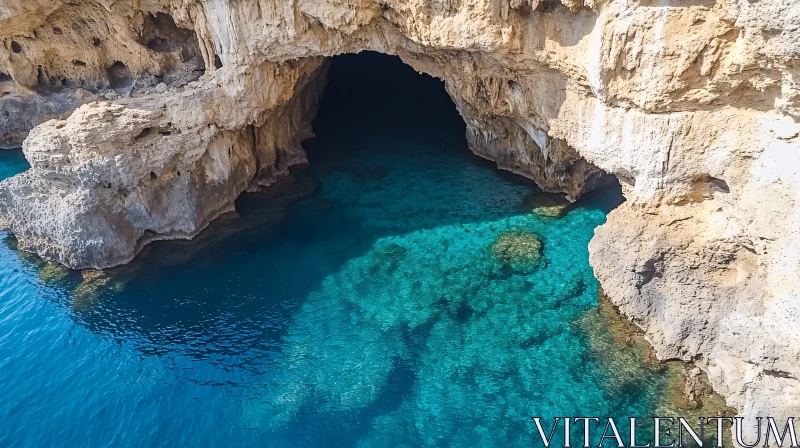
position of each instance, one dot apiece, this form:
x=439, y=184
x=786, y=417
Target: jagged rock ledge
x=116, y=176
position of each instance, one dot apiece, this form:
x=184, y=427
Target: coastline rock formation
x=693, y=105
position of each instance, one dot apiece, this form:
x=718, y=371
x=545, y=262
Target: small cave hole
x=78, y=63
x=57, y=30
x=626, y=179
x=160, y=33
x=153, y=176
x=16, y=47
x=178, y=173
x=549, y=6
x=217, y=61
x=719, y=185
x=705, y=187
x=157, y=44
x=119, y=76
x=96, y=42
x=5, y=77
x=145, y=132
x=41, y=76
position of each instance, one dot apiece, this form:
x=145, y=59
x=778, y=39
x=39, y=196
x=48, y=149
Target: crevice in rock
x=779, y=374
x=144, y=134
x=41, y=76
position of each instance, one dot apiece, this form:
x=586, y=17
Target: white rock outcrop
x=692, y=104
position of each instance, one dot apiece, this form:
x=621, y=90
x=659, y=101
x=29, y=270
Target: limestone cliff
x=691, y=104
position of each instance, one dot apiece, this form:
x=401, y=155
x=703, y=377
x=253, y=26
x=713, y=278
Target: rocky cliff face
x=691, y=104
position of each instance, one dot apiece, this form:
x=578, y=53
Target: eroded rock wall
x=691, y=104
x=115, y=176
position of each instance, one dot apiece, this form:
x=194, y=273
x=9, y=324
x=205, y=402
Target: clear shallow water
x=387, y=295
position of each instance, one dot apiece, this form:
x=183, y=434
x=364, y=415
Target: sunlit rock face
x=692, y=105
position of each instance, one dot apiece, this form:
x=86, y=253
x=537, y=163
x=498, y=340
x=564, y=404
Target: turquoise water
x=390, y=294
x=12, y=162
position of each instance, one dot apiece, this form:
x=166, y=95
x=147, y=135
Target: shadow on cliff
x=387, y=136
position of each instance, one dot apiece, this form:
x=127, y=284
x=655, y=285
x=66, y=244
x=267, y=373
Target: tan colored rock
x=692, y=105
x=114, y=177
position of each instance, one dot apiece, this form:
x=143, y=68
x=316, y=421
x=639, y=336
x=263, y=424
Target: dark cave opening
x=371, y=93
x=119, y=76
x=374, y=92
x=160, y=34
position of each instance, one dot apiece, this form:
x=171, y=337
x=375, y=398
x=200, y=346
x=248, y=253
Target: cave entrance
x=374, y=93
x=413, y=284
x=422, y=271
x=374, y=100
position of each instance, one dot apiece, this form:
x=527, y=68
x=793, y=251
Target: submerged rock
x=547, y=205
x=550, y=211
x=519, y=249
x=53, y=273
x=626, y=359
x=95, y=282
x=49, y=272
x=386, y=258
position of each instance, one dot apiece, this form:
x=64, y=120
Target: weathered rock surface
x=692, y=104
x=113, y=177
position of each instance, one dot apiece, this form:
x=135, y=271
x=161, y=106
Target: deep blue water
x=387, y=295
